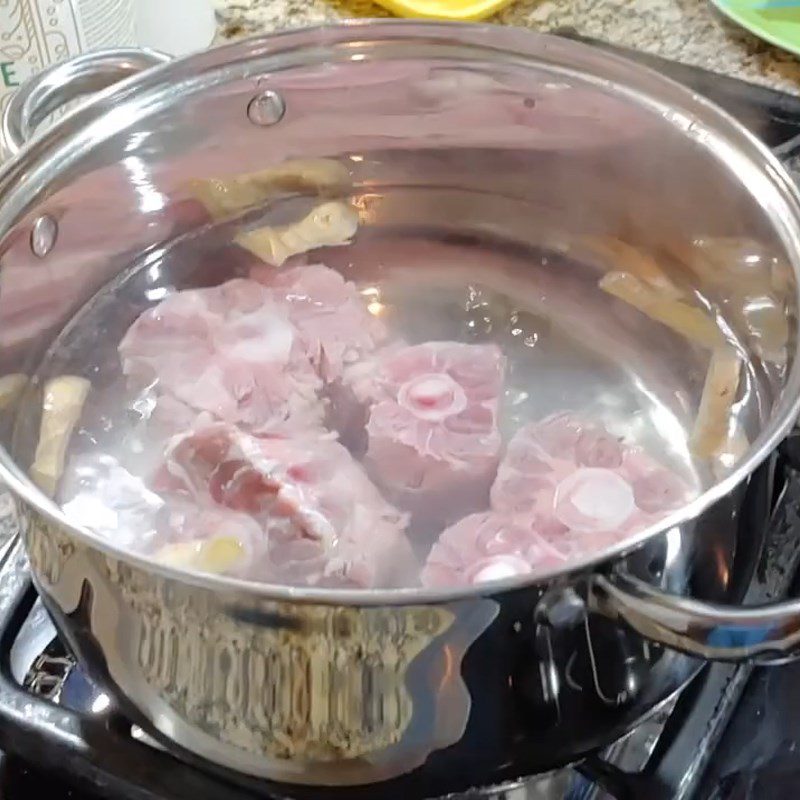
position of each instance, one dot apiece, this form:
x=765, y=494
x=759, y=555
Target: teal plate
x=775, y=21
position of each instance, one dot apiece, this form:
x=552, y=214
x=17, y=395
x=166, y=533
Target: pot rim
x=723, y=137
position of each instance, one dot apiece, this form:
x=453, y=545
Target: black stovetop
x=732, y=734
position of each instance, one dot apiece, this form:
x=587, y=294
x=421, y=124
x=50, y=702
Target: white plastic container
x=37, y=33
x=175, y=27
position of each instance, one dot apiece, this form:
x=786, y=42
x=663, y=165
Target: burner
x=49, y=672
x=54, y=717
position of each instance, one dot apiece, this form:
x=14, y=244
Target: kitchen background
x=691, y=31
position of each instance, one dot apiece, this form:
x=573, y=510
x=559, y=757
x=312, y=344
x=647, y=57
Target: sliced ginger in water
x=223, y=197
x=62, y=405
x=693, y=323
x=739, y=265
x=712, y=435
x=11, y=388
x=768, y=323
x=323, y=175
x=634, y=261
x=329, y=224
x=217, y=556
x=751, y=281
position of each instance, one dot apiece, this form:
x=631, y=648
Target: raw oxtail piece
x=231, y=351
x=576, y=474
x=313, y=516
x=332, y=318
x=432, y=439
x=485, y=547
x=565, y=490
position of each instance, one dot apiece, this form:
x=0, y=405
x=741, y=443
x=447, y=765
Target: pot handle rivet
x=266, y=108
x=561, y=607
x=44, y=233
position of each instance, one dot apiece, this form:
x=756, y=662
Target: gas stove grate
x=48, y=673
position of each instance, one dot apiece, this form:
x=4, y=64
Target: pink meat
x=487, y=546
x=231, y=351
x=575, y=474
x=320, y=520
x=332, y=319
x=170, y=417
x=564, y=490
x=433, y=442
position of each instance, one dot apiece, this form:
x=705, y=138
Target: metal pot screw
x=266, y=108
x=44, y=233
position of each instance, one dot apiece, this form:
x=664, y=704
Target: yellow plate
x=463, y=10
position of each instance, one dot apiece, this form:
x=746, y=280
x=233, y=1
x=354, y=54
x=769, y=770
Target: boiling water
x=565, y=351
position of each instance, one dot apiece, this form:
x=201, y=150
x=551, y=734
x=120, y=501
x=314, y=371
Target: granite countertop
x=685, y=30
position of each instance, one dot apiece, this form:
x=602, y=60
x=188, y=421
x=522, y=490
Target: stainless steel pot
x=532, y=141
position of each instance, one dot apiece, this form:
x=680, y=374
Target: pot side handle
x=715, y=632
x=63, y=83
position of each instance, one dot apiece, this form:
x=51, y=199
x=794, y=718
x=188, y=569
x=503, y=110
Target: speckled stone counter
x=685, y=30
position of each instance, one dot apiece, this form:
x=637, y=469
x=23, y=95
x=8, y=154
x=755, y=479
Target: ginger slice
x=768, y=323
x=695, y=258
x=728, y=262
x=753, y=301
x=634, y=261
x=223, y=197
x=329, y=224
x=688, y=321
x=740, y=267
x=216, y=556
x=11, y=387
x=711, y=435
x=320, y=174
x=62, y=405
